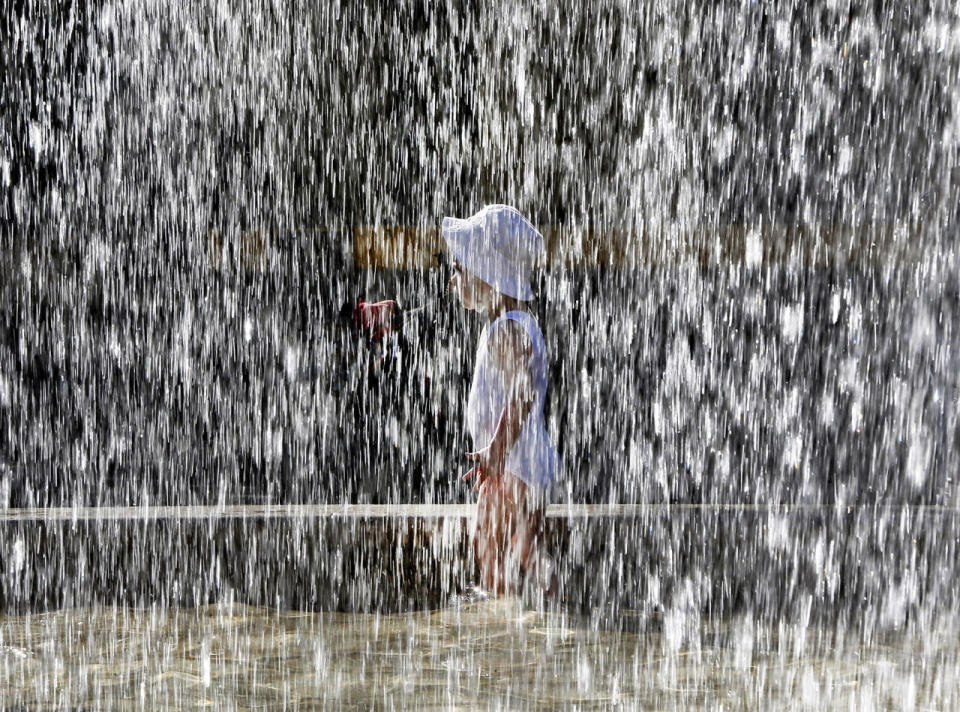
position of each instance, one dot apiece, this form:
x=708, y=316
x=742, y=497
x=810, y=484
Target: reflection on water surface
x=494, y=654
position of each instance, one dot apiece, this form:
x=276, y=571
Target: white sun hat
x=498, y=245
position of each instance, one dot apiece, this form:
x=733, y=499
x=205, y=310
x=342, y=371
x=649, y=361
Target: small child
x=514, y=464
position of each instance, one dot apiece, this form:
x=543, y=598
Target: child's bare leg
x=490, y=559
x=520, y=545
x=496, y=521
x=509, y=536
x=527, y=544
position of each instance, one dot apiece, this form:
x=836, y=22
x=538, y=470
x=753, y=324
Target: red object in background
x=376, y=318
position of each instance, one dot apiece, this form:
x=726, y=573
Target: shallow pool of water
x=493, y=654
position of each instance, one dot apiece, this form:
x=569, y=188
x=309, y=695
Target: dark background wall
x=178, y=189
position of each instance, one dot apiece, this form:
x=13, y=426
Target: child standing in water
x=514, y=466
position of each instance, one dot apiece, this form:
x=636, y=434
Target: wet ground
x=492, y=654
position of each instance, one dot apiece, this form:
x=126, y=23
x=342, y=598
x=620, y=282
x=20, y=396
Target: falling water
x=751, y=297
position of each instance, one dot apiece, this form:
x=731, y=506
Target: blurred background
x=751, y=292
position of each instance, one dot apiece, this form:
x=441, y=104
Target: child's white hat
x=498, y=245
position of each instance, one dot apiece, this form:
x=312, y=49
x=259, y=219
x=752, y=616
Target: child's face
x=473, y=292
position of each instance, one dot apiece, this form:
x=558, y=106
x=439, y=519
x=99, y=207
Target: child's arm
x=510, y=349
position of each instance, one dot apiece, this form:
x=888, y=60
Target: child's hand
x=377, y=318
x=489, y=463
